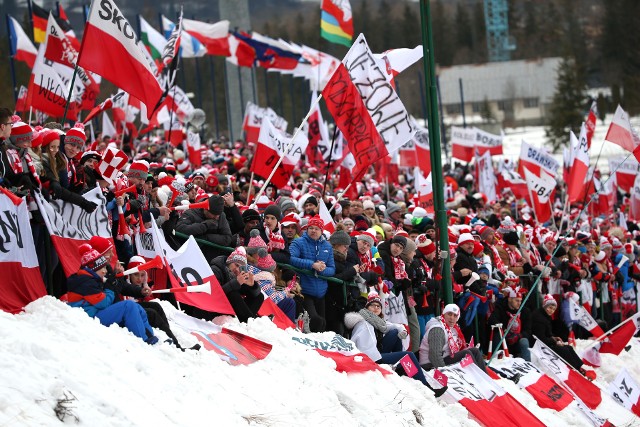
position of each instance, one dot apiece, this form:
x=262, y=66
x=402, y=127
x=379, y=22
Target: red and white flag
x=554, y=366
x=112, y=162
x=105, y=105
x=616, y=341
x=21, y=104
x=536, y=159
x=323, y=212
x=484, y=398
x=462, y=143
x=109, y=49
x=512, y=181
x=21, y=47
x=590, y=123
x=578, y=173
x=541, y=189
x=620, y=131
x=578, y=314
x=488, y=142
x=416, y=152
x=70, y=226
x=626, y=171
x=272, y=144
x=21, y=278
x=187, y=266
x=253, y=117
x=47, y=92
x=215, y=37
x=366, y=108
x=108, y=129
x=317, y=135
x=626, y=391
x=424, y=189
x=635, y=199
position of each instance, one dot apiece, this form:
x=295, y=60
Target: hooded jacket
x=304, y=252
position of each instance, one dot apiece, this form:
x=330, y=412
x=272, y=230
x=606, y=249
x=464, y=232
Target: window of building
x=531, y=103
x=453, y=109
x=476, y=107
x=505, y=105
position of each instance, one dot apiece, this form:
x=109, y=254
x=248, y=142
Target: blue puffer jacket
x=627, y=282
x=304, y=252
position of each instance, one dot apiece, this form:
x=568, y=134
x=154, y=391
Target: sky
x=53, y=355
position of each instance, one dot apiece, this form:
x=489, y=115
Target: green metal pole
x=428, y=61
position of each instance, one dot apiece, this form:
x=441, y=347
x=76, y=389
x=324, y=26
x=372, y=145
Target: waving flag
x=462, y=143
x=271, y=146
x=106, y=104
x=395, y=61
x=535, y=159
x=626, y=171
x=190, y=47
x=336, y=24
x=577, y=314
x=47, y=92
x=21, y=104
x=111, y=163
x=486, y=175
x=617, y=340
x=621, y=132
x=626, y=391
x=39, y=17
x=214, y=37
x=268, y=55
x=579, y=169
x=169, y=59
x=424, y=189
x=541, y=189
x=254, y=115
x=153, y=41
x=366, y=108
x=109, y=49
x=21, y=47
x=21, y=279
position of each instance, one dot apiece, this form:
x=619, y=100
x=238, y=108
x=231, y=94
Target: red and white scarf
x=17, y=166
x=456, y=343
x=365, y=260
x=497, y=260
x=398, y=268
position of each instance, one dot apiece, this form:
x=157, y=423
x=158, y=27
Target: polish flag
x=21, y=47
x=316, y=133
x=109, y=49
x=617, y=340
x=47, y=92
x=541, y=189
x=271, y=147
x=371, y=116
x=424, y=189
x=215, y=37
x=536, y=159
x=329, y=224
x=483, y=397
x=635, y=199
x=554, y=366
x=416, y=152
x=580, y=167
x=253, y=117
x=21, y=278
x=462, y=143
x=591, y=122
x=21, y=104
x=626, y=391
x=104, y=106
x=625, y=172
x=621, y=133
x=347, y=168
x=486, y=141
x=510, y=180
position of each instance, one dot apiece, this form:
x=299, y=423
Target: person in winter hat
x=393, y=215
x=87, y=291
x=379, y=339
x=518, y=338
x=313, y=252
x=276, y=243
x=444, y=344
x=19, y=170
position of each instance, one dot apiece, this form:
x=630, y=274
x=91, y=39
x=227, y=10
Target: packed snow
x=57, y=358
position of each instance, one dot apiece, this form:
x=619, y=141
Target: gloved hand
x=88, y=205
x=134, y=206
x=115, y=285
x=402, y=333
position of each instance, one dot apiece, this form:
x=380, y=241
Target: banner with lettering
x=488, y=142
x=535, y=159
x=394, y=311
x=21, y=279
x=485, y=400
x=70, y=226
x=462, y=143
x=486, y=175
x=626, y=391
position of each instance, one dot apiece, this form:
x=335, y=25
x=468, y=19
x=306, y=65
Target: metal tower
x=497, y=23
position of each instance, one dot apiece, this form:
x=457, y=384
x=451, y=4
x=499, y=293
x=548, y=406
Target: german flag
x=40, y=18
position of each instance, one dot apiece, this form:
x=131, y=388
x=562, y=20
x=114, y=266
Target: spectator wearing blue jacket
x=313, y=252
x=86, y=290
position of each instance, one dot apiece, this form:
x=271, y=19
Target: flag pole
x=250, y=188
x=428, y=61
x=287, y=147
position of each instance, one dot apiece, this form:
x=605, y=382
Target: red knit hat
x=21, y=133
x=138, y=169
x=76, y=135
x=50, y=135
x=255, y=242
x=101, y=244
x=135, y=261
x=549, y=300
x=90, y=258
x=373, y=297
x=37, y=137
x=290, y=219
x=478, y=248
x=265, y=261
x=425, y=245
x=316, y=221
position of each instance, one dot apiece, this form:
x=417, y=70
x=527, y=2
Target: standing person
x=87, y=291
x=379, y=339
x=444, y=344
x=313, y=252
x=347, y=267
x=426, y=285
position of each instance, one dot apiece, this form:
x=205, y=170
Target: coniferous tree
x=566, y=110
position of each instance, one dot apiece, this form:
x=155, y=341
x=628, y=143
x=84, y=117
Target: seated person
x=379, y=339
x=444, y=344
x=517, y=337
x=87, y=292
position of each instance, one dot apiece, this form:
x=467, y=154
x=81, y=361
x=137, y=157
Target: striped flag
x=21, y=47
x=336, y=21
